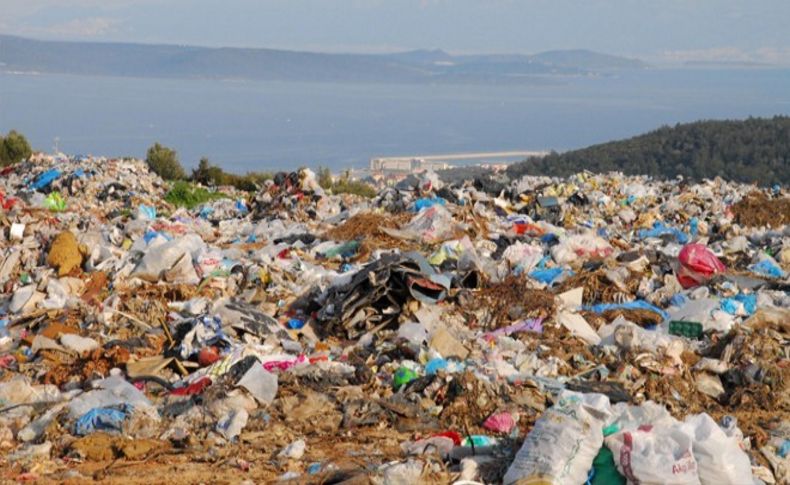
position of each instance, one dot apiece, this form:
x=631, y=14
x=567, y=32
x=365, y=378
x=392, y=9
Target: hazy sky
x=669, y=30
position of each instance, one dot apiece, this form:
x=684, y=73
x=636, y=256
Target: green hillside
x=751, y=150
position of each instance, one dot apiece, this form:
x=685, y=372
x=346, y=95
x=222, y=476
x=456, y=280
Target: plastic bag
x=767, y=267
x=719, y=457
x=563, y=443
x=55, y=202
x=698, y=264
x=102, y=419
x=660, y=229
x=502, y=422
x=740, y=304
x=426, y=202
x=45, y=179
x=146, y=212
x=108, y=392
x=604, y=470
x=261, y=383
x=581, y=247
x=433, y=224
x=659, y=454
x=546, y=276
x=171, y=261
x=523, y=257
x=631, y=305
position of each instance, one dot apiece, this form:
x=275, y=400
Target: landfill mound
x=592, y=329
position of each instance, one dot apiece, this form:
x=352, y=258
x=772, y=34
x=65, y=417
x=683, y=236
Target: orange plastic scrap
x=522, y=228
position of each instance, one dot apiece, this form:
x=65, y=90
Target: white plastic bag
x=654, y=455
x=561, y=447
x=172, y=261
x=581, y=247
x=719, y=457
x=523, y=256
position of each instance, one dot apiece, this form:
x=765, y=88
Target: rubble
x=598, y=329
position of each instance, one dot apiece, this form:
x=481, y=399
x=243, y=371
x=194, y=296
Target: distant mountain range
x=19, y=54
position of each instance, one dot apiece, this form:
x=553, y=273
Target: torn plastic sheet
x=631, y=305
x=534, y=325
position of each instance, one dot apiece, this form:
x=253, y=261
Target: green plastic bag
x=55, y=202
x=605, y=470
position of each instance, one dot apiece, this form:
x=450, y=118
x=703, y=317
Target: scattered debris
x=435, y=333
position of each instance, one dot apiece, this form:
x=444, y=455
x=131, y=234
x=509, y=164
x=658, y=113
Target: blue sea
x=250, y=125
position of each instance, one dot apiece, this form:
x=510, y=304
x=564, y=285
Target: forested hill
x=752, y=150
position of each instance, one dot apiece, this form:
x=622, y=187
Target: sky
x=653, y=30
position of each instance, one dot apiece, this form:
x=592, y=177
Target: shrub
x=250, y=181
x=344, y=185
x=163, y=161
x=208, y=174
x=324, y=178
x=185, y=194
x=14, y=148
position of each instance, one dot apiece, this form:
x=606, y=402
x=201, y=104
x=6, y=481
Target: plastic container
x=686, y=329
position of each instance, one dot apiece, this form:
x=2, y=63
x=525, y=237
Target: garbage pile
x=597, y=329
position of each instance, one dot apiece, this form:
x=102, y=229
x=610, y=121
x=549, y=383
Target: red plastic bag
x=697, y=265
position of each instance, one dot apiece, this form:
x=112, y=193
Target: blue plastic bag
x=678, y=299
x=45, y=179
x=426, y=202
x=241, y=206
x=146, y=212
x=205, y=211
x=767, y=268
x=102, y=419
x=660, y=229
x=547, y=276
x=150, y=235
x=694, y=226
x=731, y=305
x=435, y=365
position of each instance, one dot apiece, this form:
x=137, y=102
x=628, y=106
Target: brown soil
x=757, y=210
